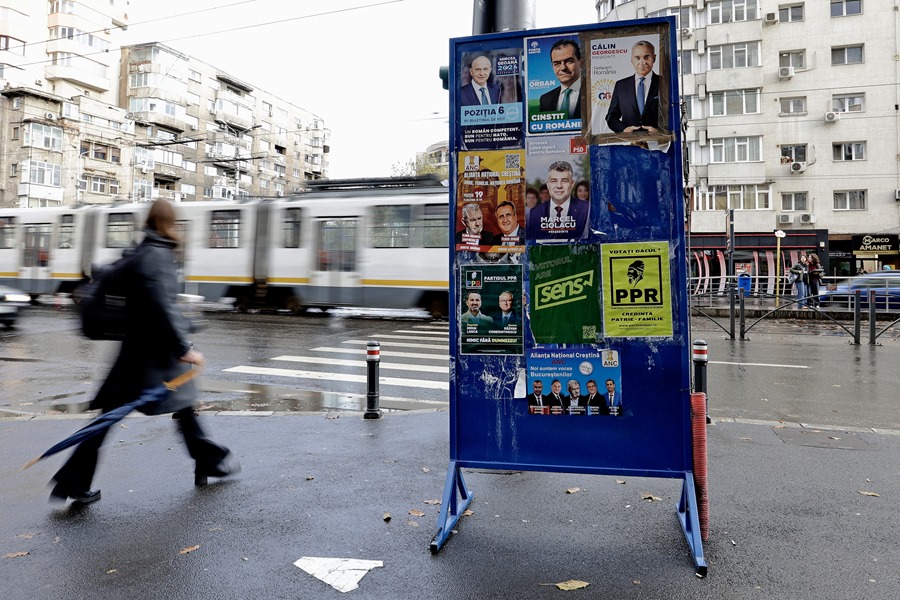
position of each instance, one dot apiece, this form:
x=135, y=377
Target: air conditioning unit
x=832, y=117
x=771, y=18
x=701, y=47
x=785, y=72
x=50, y=116
x=686, y=32
x=785, y=219
x=145, y=169
x=194, y=127
x=897, y=195
x=798, y=167
x=807, y=218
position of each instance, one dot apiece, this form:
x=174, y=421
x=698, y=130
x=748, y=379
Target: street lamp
x=79, y=170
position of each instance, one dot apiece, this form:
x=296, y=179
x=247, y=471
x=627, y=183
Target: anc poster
x=637, y=292
x=564, y=292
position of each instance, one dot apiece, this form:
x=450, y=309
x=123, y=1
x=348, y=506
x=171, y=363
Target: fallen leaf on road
x=620, y=481
x=870, y=494
x=27, y=536
x=189, y=549
x=426, y=470
x=831, y=437
x=123, y=425
x=572, y=584
x=309, y=477
x=636, y=581
x=650, y=497
x=468, y=513
x=332, y=416
x=112, y=571
x=431, y=502
x=417, y=513
x=412, y=523
x=15, y=554
x=573, y=490
x=387, y=517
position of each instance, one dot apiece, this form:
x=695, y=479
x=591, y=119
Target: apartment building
x=84, y=120
x=793, y=122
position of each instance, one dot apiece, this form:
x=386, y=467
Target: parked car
x=12, y=301
x=886, y=285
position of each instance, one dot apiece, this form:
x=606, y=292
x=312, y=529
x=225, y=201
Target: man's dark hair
x=567, y=42
x=506, y=203
x=560, y=165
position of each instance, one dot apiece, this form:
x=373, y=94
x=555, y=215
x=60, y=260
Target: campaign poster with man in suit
x=629, y=89
x=554, y=69
x=489, y=99
x=574, y=382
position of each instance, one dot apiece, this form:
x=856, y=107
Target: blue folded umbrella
x=108, y=419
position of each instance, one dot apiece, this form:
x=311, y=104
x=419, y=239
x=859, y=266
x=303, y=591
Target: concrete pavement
x=794, y=515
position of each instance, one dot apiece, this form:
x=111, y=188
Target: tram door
x=335, y=274
x=35, y=269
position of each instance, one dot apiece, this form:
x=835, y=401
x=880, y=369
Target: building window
x=225, y=229
x=43, y=136
x=735, y=102
x=790, y=14
x=792, y=58
x=847, y=55
x=736, y=149
x=849, y=151
x=794, y=201
x=685, y=62
x=740, y=197
x=390, y=226
x=850, y=200
x=13, y=169
x=793, y=153
x=194, y=75
x=842, y=8
x=734, y=56
x=43, y=173
x=730, y=11
x=12, y=45
x=793, y=106
x=849, y=102
x=15, y=133
x=293, y=219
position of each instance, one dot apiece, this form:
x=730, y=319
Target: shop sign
x=876, y=243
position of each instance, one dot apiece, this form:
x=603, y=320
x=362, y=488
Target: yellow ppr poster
x=637, y=299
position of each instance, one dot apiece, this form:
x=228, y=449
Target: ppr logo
x=573, y=288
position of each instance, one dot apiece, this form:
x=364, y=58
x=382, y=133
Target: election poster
x=490, y=206
x=626, y=101
x=636, y=290
x=564, y=293
x=553, y=74
x=575, y=382
x=491, y=310
x=489, y=99
x=561, y=165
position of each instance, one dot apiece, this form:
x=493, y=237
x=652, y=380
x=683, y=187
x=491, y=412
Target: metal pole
x=731, y=292
x=700, y=357
x=373, y=361
x=872, y=317
x=856, y=316
x=743, y=320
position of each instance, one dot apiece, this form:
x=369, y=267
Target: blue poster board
x=570, y=344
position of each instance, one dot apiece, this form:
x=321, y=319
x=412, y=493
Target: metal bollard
x=700, y=357
x=373, y=361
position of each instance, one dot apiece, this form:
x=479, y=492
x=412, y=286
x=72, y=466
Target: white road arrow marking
x=343, y=574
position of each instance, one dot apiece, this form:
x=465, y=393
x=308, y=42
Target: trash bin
x=744, y=281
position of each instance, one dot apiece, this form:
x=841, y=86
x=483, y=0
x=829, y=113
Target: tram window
x=336, y=245
x=7, y=232
x=390, y=226
x=291, y=227
x=435, y=226
x=120, y=230
x=225, y=229
x=67, y=231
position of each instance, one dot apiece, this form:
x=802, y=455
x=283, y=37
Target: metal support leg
x=452, y=507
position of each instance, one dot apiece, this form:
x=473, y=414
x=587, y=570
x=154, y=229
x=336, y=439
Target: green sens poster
x=565, y=293
x=637, y=297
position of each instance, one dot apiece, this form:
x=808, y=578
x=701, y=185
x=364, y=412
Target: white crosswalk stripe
x=355, y=363
x=417, y=383
x=418, y=350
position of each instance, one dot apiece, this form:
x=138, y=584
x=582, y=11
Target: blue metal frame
x=494, y=431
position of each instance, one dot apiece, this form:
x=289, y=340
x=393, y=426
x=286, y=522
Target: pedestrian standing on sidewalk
x=815, y=278
x=801, y=285
x=155, y=349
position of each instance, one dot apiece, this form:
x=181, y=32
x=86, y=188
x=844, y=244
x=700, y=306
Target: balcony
x=230, y=118
x=155, y=118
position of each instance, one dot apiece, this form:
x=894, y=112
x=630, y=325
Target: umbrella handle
x=181, y=379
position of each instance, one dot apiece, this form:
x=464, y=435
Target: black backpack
x=101, y=301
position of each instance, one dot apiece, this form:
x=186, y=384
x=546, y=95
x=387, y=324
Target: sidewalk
x=789, y=518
